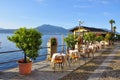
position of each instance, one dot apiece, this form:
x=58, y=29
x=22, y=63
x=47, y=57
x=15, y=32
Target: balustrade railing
x=62, y=49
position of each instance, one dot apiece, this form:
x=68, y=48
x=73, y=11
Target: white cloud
x=104, y=2
x=106, y=13
x=24, y=17
x=81, y=6
x=39, y=0
x=100, y=1
x=92, y=3
x=8, y=25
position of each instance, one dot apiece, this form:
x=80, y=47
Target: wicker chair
x=60, y=61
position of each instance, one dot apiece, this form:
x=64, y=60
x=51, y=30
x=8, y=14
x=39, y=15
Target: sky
x=65, y=13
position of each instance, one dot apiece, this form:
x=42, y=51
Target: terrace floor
x=104, y=66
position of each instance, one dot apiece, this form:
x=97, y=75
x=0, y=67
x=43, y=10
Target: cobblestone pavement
x=82, y=71
x=104, y=67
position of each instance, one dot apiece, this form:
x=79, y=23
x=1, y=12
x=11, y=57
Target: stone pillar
x=52, y=44
x=48, y=49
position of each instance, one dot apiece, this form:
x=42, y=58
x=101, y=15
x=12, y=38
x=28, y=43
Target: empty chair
x=60, y=61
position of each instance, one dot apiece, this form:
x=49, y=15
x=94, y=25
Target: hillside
x=45, y=29
x=7, y=30
x=50, y=29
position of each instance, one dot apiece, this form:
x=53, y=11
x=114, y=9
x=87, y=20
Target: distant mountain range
x=50, y=29
x=110, y=30
x=44, y=29
x=7, y=30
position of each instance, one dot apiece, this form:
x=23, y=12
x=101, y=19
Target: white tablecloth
x=58, y=54
x=73, y=52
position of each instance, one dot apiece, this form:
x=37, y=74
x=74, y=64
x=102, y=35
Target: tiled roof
x=92, y=29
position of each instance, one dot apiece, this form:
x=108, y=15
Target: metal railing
x=21, y=51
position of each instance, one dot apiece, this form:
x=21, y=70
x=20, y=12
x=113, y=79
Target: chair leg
x=69, y=61
x=54, y=67
x=62, y=66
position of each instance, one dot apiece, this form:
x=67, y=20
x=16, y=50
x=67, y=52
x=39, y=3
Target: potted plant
x=29, y=41
x=71, y=40
x=89, y=37
x=99, y=38
x=109, y=37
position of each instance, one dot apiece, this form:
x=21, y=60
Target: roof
x=92, y=29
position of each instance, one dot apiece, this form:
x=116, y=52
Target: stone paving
x=77, y=71
x=104, y=67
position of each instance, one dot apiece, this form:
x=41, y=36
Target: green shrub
x=28, y=40
x=71, y=40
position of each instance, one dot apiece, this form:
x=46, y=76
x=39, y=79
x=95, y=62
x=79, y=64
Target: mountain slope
x=50, y=29
x=7, y=30
x=45, y=29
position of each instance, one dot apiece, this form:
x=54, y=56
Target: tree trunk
x=25, y=58
x=111, y=27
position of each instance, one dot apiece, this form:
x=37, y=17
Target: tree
x=71, y=40
x=111, y=22
x=90, y=37
x=114, y=29
x=28, y=40
x=99, y=38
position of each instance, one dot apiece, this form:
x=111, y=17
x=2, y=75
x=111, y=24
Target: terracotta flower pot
x=25, y=68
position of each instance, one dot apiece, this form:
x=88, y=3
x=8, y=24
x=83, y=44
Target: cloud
x=104, y=2
x=90, y=3
x=8, y=25
x=81, y=6
x=100, y=1
x=107, y=14
x=39, y=0
x=24, y=17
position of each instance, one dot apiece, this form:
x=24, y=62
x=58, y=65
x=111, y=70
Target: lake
x=6, y=45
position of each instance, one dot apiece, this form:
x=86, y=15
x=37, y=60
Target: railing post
x=48, y=49
x=52, y=47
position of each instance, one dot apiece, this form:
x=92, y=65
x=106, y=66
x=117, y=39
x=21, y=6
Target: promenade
x=104, y=66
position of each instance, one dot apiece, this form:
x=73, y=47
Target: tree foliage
x=90, y=37
x=111, y=22
x=109, y=36
x=71, y=40
x=28, y=40
x=99, y=38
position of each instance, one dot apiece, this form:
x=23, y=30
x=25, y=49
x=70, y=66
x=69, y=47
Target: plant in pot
x=109, y=37
x=29, y=41
x=99, y=38
x=89, y=37
x=71, y=40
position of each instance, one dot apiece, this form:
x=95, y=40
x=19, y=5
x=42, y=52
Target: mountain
x=50, y=29
x=110, y=30
x=1, y=28
x=44, y=29
x=7, y=30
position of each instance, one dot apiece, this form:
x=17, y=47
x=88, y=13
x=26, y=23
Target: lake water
x=6, y=45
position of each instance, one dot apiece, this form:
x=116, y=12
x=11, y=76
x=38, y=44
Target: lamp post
x=80, y=22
